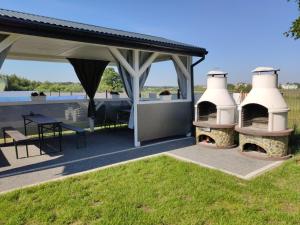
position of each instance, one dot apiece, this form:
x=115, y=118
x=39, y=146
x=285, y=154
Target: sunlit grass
x=160, y=190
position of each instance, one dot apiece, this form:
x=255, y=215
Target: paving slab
x=103, y=149
x=230, y=161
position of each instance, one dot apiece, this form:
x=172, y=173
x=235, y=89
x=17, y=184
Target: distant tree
x=199, y=88
x=3, y=82
x=111, y=81
x=230, y=87
x=16, y=83
x=245, y=88
x=294, y=30
x=63, y=87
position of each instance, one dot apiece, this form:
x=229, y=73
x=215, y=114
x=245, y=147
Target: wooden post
x=136, y=97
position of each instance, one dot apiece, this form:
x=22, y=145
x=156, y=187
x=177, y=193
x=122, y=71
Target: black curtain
x=89, y=72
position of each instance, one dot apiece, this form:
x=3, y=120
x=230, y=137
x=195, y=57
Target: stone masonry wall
x=224, y=137
x=274, y=146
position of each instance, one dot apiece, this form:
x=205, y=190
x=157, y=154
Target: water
x=24, y=96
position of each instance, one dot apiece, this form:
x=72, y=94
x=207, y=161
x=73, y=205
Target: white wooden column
x=136, y=96
x=135, y=72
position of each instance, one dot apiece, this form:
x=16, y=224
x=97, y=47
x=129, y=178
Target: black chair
x=100, y=116
x=111, y=115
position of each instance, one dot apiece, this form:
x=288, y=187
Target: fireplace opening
x=249, y=147
x=205, y=139
x=207, y=111
x=255, y=116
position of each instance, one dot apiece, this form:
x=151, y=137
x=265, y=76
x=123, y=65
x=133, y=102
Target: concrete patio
x=104, y=148
x=109, y=147
x=229, y=161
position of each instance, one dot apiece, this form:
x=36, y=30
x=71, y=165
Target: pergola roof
x=29, y=24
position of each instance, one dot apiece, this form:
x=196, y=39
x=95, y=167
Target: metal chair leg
x=27, y=150
x=42, y=131
x=60, y=137
x=4, y=136
x=16, y=149
x=40, y=141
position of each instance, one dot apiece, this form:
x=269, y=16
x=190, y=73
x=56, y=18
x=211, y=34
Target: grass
x=292, y=98
x=160, y=190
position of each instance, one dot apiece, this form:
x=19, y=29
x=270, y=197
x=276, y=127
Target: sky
x=238, y=34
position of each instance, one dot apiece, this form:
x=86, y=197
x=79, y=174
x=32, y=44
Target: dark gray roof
x=42, y=20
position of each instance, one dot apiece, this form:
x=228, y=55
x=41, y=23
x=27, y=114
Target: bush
x=165, y=92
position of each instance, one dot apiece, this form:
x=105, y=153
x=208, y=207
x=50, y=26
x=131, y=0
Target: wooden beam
x=136, y=95
x=70, y=50
x=36, y=57
x=181, y=66
x=116, y=53
x=148, y=62
x=9, y=41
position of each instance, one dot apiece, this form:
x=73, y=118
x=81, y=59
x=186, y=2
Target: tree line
x=294, y=30
x=110, y=81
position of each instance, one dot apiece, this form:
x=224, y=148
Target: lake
x=25, y=96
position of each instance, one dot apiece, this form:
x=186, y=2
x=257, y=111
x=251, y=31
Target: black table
x=44, y=123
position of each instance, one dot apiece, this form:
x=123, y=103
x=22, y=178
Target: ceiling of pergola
x=57, y=50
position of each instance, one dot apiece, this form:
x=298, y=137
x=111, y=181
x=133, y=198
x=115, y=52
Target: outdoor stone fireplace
x=215, y=113
x=263, y=116
x=207, y=111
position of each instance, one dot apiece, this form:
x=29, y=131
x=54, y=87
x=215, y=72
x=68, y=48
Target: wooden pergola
x=31, y=37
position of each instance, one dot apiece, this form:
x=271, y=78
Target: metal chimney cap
x=262, y=69
x=216, y=72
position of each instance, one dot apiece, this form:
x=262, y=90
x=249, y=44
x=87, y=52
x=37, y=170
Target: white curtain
x=125, y=76
x=127, y=79
x=181, y=79
x=143, y=58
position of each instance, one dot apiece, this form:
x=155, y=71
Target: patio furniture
x=43, y=123
x=100, y=115
x=17, y=137
x=80, y=133
x=123, y=116
x=22, y=34
x=111, y=115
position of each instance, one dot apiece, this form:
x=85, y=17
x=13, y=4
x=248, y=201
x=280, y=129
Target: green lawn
x=160, y=190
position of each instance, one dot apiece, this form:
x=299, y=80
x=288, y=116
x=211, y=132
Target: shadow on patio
x=104, y=147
